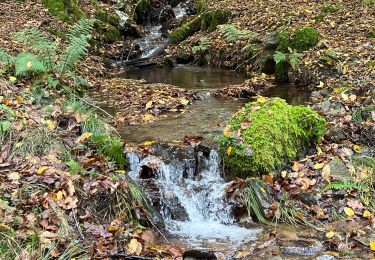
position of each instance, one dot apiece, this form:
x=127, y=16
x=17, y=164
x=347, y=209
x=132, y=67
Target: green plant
x=65, y=10
x=305, y=38
x=204, y=46
x=284, y=62
x=252, y=204
x=368, y=2
x=110, y=147
x=330, y=57
x=288, y=212
x=74, y=167
x=201, y=6
x=267, y=134
x=43, y=60
x=232, y=33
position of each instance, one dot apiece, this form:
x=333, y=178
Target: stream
x=185, y=184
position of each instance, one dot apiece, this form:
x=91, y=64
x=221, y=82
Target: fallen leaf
x=42, y=169
x=229, y=150
x=261, y=99
x=349, y=212
x=149, y=105
x=184, y=101
x=372, y=245
x=330, y=234
x=326, y=171
x=134, y=247
x=318, y=166
x=83, y=137
x=366, y=214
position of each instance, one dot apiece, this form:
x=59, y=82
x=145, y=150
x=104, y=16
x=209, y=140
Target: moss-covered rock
x=107, y=26
x=284, y=41
x=186, y=30
x=212, y=19
x=306, y=38
x=65, y=10
x=201, y=6
x=268, y=134
x=142, y=11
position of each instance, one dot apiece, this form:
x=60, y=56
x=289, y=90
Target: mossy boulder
x=268, y=134
x=65, y=10
x=305, y=38
x=284, y=41
x=107, y=26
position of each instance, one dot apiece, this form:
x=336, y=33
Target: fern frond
x=78, y=38
x=232, y=33
x=82, y=27
x=27, y=63
x=6, y=60
x=345, y=185
x=204, y=45
x=39, y=43
x=112, y=148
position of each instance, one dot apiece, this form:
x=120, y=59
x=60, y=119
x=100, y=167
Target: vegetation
x=305, y=38
x=233, y=34
x=267, y=134
x=65, y=10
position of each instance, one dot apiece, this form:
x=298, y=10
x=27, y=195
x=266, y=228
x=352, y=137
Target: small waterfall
x=193, y=203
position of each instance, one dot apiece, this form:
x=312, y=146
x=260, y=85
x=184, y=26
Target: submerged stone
x=300, y=247
x=268, y=134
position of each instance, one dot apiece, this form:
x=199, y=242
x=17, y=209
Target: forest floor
x=51, y=206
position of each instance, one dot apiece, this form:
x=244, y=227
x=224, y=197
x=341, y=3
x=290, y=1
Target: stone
x=271, y=41
x=300, y=247
x=336, y=134
x=339, y=170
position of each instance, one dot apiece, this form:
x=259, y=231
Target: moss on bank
x=65, y=10
x=204, y=21
x=267, y=134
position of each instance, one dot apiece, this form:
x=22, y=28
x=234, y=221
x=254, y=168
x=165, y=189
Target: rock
x=336, y=134
x=196, y=255
x=266, y=62
x=300, y=247
x=271, y=41
x=325, y=257
x=263, y=194
x=184, y=57
x=166, y=15
x=175, y=209
x=339, y=170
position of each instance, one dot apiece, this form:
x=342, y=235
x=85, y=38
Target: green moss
x=186, y=30
x=211, y=20
x=201, y=6
x=142, y=11
x=306, y=38
x=65, y=10
x=284, y=41
x=262, y=137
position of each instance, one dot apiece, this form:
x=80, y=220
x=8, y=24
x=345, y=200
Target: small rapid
x=193, y=203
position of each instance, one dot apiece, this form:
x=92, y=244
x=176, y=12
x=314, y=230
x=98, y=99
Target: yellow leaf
x=332, y=24
x=229, y=150
x=49, y=124
x=349, y=212
x=19, y=99
x=148, y=105
x=261, y=99
x=263, y=76
x=113, y=228
x=330, y=234
x=59, y=195
x=42, y=169
x=283, y=174
x=120, y=171
x=321, y=85
x=147, y=143
x=29, y=64
x=357, y=148
x=318, y=166
x=366, y=214
x=372, y=245
x=319, y=150
x=345, y=69
x=148, y=117
x=184, y=101
x=12, y=79
x=227, y=131
x=83, y=137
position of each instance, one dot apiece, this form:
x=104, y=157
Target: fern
x=78, y=38
x=232, y=33
x=112, y=148
x=292, y=58
x=26, y=63
x=204, y=45
x=6, y=60
x=39, y=43
x=279, y=57
x=345, y=185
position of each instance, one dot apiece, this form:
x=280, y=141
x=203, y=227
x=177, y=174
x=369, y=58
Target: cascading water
x=193, y=203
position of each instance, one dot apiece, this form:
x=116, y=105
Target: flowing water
x=207, y=221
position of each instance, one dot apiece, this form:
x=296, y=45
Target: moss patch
x=212, y=19
x=142, y=11
x=306, y=38
x=65, y=10
x=268, y=134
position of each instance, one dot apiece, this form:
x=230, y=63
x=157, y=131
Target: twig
x=152, y=223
